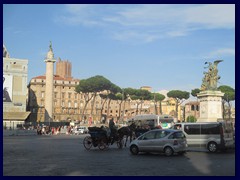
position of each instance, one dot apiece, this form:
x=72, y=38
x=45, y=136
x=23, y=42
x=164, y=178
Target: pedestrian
x=53, y=130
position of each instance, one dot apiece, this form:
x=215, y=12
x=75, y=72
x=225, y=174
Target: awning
x=17, y=116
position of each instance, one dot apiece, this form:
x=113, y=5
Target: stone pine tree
x=138, y=95
x=194, y=92
x=157, y=97
x=229, y=95
x=90, y=87
x=179, y=97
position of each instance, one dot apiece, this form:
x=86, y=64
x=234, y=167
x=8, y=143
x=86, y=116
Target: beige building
x=69, y=105
x=15, y=74
x=192, y=109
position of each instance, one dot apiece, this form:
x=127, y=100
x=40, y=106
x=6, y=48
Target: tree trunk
x=223, y=109
x=229, y=110
x=87, y=98
x=105, y=100
x=120, y=109
x=160, y=107
x=108, y=107
x=93, y=102
x=155, y=106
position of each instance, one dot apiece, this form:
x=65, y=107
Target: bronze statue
x=50, y=46
x=210, y=79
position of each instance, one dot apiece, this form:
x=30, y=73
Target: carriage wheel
x=87, y=142
x=102, y=145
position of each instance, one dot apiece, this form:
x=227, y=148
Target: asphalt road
x=65, y=155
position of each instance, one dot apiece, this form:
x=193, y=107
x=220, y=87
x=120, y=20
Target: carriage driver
x=113, y=129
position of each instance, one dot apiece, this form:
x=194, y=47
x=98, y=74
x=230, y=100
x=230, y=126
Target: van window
x=227, y=127
x=192, y=129
x=210, y=129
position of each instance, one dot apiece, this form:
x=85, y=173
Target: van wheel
x=212, y=147
x=168, y=151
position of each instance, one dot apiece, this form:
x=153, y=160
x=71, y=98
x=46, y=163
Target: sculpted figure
x=210, y=79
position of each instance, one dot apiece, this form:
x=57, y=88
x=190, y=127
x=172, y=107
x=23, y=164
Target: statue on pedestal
x=210, y=79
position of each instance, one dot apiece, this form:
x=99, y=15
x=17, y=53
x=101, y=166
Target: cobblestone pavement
x=66, y=156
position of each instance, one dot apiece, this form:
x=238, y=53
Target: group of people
x=47, y=130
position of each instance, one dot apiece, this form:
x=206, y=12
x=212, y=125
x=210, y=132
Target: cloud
x=222, y=53
x=150, y=22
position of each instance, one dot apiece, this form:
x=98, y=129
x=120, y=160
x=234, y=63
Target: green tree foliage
x=91, y=86
x=229, y=95
x=191, y=118
x=195, y=92
x=179, y=96
x=139, y=95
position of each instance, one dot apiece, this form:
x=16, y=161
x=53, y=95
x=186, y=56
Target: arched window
x=192, y=107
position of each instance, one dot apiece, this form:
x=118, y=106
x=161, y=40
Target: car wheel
x=168, y=151
x=212, y=147
x=134, y=149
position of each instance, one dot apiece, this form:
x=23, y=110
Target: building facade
x=192, y=108
x=15, y=74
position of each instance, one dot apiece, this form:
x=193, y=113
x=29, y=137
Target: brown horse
x=127, y=131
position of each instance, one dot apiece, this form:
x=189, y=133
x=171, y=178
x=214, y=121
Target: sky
x=163, y=46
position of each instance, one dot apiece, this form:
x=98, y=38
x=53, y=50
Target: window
x=75, y=104
x=197, y=108
x=69, y=103
x=161, y=134
x=150, y=135
x=55, y=95
x=69, y=95
x=192, y=129
x=75, y=95
x=192, y=108
x=210, y=129
x=177, y=135
x=42, y=94
x=63, y=104
x=63, y=94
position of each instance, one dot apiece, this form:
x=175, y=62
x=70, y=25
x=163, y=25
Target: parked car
x=81, y=130
x=168, y=141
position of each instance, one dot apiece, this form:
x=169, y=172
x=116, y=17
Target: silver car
x=168, y=141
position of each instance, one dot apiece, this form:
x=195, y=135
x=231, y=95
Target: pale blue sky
x=157, y=45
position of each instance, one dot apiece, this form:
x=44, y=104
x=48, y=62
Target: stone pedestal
x=210, y=106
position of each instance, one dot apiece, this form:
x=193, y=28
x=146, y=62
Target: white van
x=153, y=120
x=211, y=135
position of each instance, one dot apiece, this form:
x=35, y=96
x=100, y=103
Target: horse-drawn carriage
x=100, y=137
